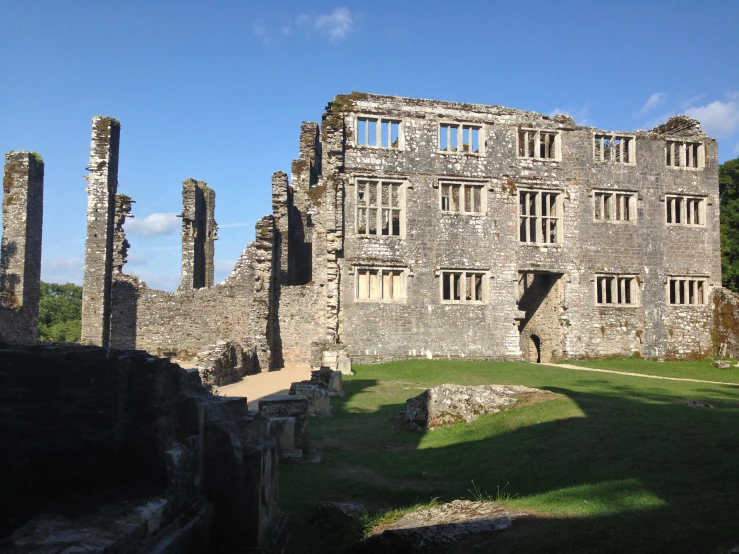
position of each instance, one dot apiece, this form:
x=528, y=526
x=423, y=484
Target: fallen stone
x=449, y=404
x=328, y=379
x=721, y=364
x=698, y=404
x=318, y=399
x=424, y=529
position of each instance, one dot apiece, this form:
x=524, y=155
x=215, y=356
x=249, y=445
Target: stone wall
x=189, y=321
x=20, y=251
x=125, y=451
x=102, y=186
x=725, y=323
x=433, y=240
x=199, y=231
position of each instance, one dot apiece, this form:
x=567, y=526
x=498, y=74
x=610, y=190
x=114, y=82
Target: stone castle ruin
x=419, y=228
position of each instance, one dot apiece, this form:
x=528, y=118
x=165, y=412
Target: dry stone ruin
x=413, y=228
x=419, y=228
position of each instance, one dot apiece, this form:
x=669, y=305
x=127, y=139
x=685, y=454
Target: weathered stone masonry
x=20, y=253
x=419, y=228
x=102, y=185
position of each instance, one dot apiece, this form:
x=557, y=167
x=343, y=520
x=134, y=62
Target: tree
x=60, y=313
x=729, y=199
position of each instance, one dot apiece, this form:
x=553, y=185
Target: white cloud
x=338, y=25
x=736, y=149
x=63, y=270
x=263, y=32
x=718, y=119
x=232, y=225
x=153, y=225
x=652, y=102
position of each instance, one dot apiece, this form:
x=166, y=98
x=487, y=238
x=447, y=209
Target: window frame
x=484, y=274
x=461, y=126
x=684, y=198
x=401, y=208
x=559, y=207
x=631, y=148
x=463, y=184
x=632, y=197
x=379, y=120
x=537, y=144
x=686, y=279
x=616, y=289
x=684, y=155
x=359, y=270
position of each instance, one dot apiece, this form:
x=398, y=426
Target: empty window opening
x=614, y=206
x=454, y=137
x=615, y=289
x=380, y=284
x=539, y=216
x=685, y=210
x=684, y=154
x=378, y=132
x=463, y=286
x=461, y=198
x=534, y=349
x=539, y=144
x=614, y=148
x=685, y=290
x=380, y=208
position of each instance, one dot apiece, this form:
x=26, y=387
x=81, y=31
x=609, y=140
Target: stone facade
x=20, y=252
x=199, y=231
x=420, y=228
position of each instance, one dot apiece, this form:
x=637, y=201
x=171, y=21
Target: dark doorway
x=534, y=349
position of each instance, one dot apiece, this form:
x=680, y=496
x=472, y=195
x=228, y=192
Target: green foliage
x=38, y=157
x=729, y=198
x=60, y=313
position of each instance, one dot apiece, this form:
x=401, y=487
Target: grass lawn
x=614, y=464
x=701, y=369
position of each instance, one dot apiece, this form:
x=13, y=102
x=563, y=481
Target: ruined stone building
x=20, y=253
x=419, y=228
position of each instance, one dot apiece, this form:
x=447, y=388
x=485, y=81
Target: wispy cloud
x=652, y=102
x=337, y=25
x=232, y=225
x=736, y=149
x=718, y=119
x=63, y=270
x=580, y=115
x=153, y=225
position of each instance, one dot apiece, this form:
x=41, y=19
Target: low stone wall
x=128, y=452
x=189, y=321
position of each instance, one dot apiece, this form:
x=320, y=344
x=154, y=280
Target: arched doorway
x=534, y=349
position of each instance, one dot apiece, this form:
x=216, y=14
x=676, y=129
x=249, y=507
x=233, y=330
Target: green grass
x=614, y=464
x=700, y=369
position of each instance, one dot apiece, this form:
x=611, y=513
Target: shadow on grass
x=615, y=469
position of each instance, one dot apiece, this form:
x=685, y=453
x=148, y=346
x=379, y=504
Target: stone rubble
x=450, y=404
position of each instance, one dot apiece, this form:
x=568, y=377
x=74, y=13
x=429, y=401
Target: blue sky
x=217, y=90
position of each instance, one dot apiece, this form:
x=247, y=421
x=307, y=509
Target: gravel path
x=581, y=368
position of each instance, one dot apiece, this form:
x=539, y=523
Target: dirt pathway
x=269, y=383
x=581, y=368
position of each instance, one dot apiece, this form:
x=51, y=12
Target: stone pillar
x=211, y=232
x=199, y=231
x=102, y=185
x=20, y=251
x=281, y=210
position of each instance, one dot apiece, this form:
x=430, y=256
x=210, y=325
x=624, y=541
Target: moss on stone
x=36, y=156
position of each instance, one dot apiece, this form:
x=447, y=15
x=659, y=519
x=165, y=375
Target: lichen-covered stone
x=450, y=404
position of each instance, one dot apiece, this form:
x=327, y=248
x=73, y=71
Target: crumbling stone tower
x=102, y=185
x=20, y=254
x=199, y=232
